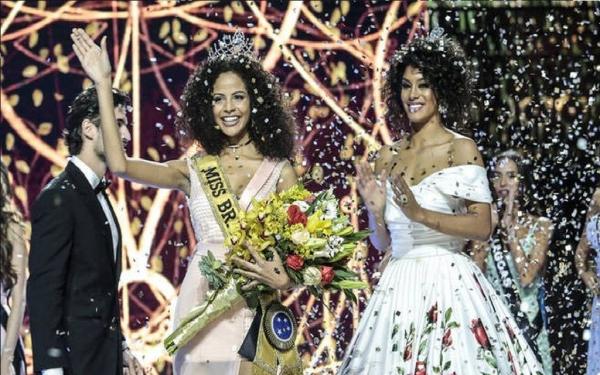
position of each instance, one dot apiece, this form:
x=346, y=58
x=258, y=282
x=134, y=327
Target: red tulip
x=420, y=368
x=295, y=262
x=447, y=339
x=408, y=351
x=433, y=313
x=295, y=215
x=480, y=334
x=327, y=274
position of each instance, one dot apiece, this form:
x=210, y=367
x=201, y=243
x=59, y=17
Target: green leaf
x=422, y=346
x=395, y=347
x=395, y=330
x=448, y=314
x=447, y=365
x=351, y=284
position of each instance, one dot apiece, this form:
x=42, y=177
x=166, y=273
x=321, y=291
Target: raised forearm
x=471, y=225
x=527, y=267
x=380, y=237
x=113, y=148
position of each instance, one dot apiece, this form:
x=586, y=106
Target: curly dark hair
x=271, y=125
x=445, y=67
x=85, y=106
x=8, y=275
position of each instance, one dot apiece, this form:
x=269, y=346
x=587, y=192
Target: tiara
x=231, y=46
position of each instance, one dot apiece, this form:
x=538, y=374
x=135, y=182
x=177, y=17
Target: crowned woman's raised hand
x=371, y=188
x=93, y=58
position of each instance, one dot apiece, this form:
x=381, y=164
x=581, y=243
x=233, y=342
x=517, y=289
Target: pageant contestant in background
x=13, y=261
x=75, y=258
x=235, y=110
x=433, y=311
x=591, y=239
x=515, y=257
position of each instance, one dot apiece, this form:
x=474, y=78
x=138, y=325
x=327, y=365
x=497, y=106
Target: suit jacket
x=72, y=291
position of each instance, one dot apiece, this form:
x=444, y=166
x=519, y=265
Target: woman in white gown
x=433, y=311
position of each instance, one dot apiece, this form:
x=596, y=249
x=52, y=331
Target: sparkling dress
x=531, y=296
x=214, y=350
x=433, y=310
x=593, y=236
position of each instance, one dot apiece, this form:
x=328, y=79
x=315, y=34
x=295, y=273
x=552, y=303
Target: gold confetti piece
x=295, y=97
x=146, y=203
x=227, y=13
x=44, y=52
x=6, y=160
x=21, y=193
x=136, y=226
x=33, y=39
x=200, y=35
x=178, y=226
x=180, y=51
x=164, y=29
x=183, y=252
x=37, y=97
x=45, y=128
x=153, y=153
x=41, y=4
x=3, y=49
x=169, y=141
x=156, y=263
x=13, y=100
x=30, y=71
x=63, y=64
x=237, y=7
x=317, y=6
x=58, y=96
x=310, y=52
x=22, y=166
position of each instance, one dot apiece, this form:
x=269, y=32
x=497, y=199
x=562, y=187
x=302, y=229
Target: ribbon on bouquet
x=270, y=341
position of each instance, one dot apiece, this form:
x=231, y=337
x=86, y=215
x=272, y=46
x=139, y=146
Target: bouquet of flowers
x=309, y=233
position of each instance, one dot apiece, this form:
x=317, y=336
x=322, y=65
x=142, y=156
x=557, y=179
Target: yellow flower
x=315, y=224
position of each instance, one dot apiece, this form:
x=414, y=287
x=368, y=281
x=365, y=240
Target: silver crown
x=232, y=45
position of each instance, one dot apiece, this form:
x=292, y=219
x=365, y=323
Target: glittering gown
x=433, y=311
x=593, y=236
x=214, y=350
x=531, y=296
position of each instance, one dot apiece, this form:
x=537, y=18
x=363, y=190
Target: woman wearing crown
x=433, y=311
x=235, y=110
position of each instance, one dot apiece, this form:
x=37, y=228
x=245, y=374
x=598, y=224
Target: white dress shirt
x=94, y=180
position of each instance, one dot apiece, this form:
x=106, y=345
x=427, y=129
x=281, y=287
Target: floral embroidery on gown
x=214, y=350
x=433, y=311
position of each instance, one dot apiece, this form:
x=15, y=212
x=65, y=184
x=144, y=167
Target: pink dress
x=214, y=350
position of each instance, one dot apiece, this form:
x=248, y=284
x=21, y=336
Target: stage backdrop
x=538, y=91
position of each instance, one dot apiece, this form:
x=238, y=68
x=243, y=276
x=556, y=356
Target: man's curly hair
x=271, y=125
x=445, y=67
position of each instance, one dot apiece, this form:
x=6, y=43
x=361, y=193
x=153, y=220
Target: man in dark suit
x=75, y=258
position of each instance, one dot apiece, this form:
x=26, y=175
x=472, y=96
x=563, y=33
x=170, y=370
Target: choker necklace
x=236, y=146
